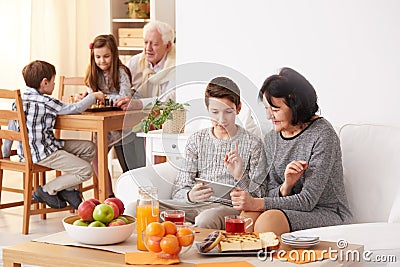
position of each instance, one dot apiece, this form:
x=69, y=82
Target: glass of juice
x=147, y=211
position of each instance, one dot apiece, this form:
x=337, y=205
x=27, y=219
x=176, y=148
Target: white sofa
x=371, y=161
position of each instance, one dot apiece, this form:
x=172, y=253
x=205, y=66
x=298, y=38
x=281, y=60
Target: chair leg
x=1, y=183
x=36, y=184
x=28, y=177
x=42, y=181
x=96, y=186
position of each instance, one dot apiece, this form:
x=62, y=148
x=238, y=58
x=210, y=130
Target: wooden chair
x=67, y=81
x=62, y=95
x=70, y=81
x=33, y=174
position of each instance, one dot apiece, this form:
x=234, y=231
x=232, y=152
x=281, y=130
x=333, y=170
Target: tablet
x=220, y=190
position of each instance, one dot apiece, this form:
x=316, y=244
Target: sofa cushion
x=394, y=216
x=370, y=160
x=374, y=236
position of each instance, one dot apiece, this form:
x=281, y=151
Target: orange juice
x=144, y=216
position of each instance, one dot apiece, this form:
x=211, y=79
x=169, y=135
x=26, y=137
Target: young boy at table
x=212, y=154
x=73, y=157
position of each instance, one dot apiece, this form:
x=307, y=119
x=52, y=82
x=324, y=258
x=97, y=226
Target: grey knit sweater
x=320, y=188
x=204, y=158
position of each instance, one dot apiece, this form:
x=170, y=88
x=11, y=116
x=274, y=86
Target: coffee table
x=51, y=255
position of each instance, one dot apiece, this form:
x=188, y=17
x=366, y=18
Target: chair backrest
x=70, y=81
x=19, y=135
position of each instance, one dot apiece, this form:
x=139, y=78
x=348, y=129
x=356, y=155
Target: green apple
x=80, y=222
x=96, y=224
x=103, y=213
x=123, y=218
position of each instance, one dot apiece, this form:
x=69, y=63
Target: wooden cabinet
x=128, y=32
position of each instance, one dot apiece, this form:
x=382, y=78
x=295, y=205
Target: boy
x=70, y=156
x=212, y=154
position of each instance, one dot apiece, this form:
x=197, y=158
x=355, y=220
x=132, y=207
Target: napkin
x=147, y=258
x=225, y=264
x=303, y=257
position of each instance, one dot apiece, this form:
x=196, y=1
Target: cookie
x=211, y=241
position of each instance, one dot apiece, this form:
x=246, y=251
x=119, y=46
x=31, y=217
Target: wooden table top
x=51, y=255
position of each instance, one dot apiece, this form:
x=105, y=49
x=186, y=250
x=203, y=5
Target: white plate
x=293, y=238
x=215, y=252
x=301, y=245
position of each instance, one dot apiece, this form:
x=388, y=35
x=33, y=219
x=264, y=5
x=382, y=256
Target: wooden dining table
x=101, y=123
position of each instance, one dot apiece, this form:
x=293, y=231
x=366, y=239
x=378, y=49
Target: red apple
x=85, y=210
x=116, y=222
x=103, y=213
x=95, y=201
x=117, y=201
x=115, y=208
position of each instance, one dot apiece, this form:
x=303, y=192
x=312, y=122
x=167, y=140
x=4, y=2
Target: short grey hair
x=166, y=31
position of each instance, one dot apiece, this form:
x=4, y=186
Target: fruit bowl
x=171, y=243
x=99, y=235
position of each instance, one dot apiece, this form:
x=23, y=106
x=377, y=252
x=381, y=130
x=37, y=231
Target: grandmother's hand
x=294, y=170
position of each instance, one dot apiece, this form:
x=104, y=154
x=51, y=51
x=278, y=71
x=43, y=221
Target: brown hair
x=36, y=71
x=93, y=72
x=223, y=87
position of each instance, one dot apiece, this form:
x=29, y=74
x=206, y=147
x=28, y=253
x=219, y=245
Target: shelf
x=130, y=48
x=130, y=20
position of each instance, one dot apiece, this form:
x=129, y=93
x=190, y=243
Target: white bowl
x=99, y=235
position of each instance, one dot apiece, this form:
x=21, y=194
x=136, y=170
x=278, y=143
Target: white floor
x=11, y=219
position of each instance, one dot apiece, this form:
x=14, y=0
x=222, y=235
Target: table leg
x=149, y=152
x=102, y=151
x=9, y=263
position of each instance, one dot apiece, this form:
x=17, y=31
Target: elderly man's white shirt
x=136, y=72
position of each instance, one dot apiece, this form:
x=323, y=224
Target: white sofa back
x=371, y=161
x=161, y=176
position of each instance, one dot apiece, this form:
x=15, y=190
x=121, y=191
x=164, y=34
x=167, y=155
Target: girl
x=107, y=74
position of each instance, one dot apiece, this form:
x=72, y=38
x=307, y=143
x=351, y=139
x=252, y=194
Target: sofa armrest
x=161, y=176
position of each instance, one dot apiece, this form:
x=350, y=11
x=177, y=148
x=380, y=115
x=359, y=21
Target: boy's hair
x=36, y=71
x=223, y=87
x=93, y=72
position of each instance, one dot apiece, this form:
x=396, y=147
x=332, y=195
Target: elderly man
x=152, y=70
x=153, y=75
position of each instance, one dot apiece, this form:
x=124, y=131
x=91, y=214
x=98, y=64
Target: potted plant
x=138, y=9
x=169, y=115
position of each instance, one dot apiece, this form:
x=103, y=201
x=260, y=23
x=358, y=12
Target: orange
x=153, y=243
x=155, y=229
x=170, y=227
x=170, y=244
x=185, y=236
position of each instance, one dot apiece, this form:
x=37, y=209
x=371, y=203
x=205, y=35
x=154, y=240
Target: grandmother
x=302, y=185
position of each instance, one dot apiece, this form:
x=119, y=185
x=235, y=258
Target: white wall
x=349, y=50
x=14, y=45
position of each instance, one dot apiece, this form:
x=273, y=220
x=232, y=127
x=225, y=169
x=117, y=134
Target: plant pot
x=139, y=11
x=177, y=124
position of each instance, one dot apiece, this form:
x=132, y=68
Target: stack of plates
x=297, y=241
